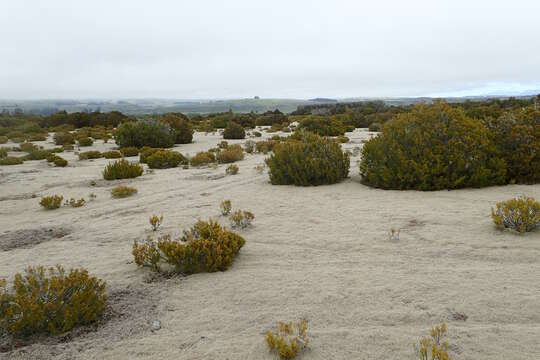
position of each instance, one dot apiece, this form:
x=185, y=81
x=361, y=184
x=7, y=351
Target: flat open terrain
x=320, y=253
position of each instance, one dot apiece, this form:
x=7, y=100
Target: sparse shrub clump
x=122, y=169
x=520, y=214
x=50, y=301
x=85, y=141
x=75, y=203
x=3, y=152
x=241, y=219
x=265, y=146
x=164, y=159
x=230, y=154
x=121, y=191
x=206, y=247
x=11, y=160
x=202, y=158
x=155, y=221
x=3, y=139
x=64, y=138
x=234, y=131
x=249, y=146
x=433, y=347
x=225, y=207
x=60, y=162
x=289, y=339
x=431, y=148
x=129, y=151
x=113, y=154
x=51, y=202
x=94, y=154
x=141, y=133
x=310, y=161
x=232, y=169
x=322, y=125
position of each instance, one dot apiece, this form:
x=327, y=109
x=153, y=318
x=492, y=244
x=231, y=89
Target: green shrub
x=28, y=147
x=146, y=152
x=64, y=138
x=113, y=154
x=225, y=207
x=60, y=162
x=231, y=154
x=85, y=141
x=93, y=154
x=231, y=169
x=122, y=169
x=3, y=139
x=121, y=191
x=155, y=221
x=206, y=247
x=375, y=127
x=433, y=347
x=164, y=159
x=51, y=202
x=141, y=133
x=38, y=155
x=3, y=152
x=181, y=126
x=50, y=301
x=234, y=131
x=241, y=219
x=11, y=160
x=520, y=214
x=322, y=125
x=288, y=339
x=257, y=134
x=129, y=151
x=312, y=160
x=431, y=148
x=67, y=147
x=265, y=146
x=202, y=158
x=343, y=139
x=249, y=146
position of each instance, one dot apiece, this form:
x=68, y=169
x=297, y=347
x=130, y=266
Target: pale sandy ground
x=319, y=253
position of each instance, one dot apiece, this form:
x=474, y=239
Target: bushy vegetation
x=51, y=202
x=202, y=158
x=85, y=141
x=64, y=138
x=50, y=301
x=113, y=154
x=206, y=247
x=322, y=125
x=75, y=203
x=3, y=139
x=433, y=347
x=60, y=161
x=3, y=152
x=432, y=148
x=308, y=160
x=234, y=131
x=122, y=191
x=289, y=339
x=241, y=219
x=164, y=159
x=225, y=207
x=11, y=160
x=521, y=214
x=155, y=222
x=147, y=132
x=129, y=151
x=265, y=146
x=230, y=154
x=231, y=169
x=122, y=169
x=93, y=154
x=181, y=126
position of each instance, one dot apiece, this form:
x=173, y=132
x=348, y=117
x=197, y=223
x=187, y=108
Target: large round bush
x=234, y=131
x=181, y=126
x=322, y=125
x=432, y=148
x=308, y=160
x=141, y=133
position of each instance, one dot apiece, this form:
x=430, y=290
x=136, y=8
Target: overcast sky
x=193, y=49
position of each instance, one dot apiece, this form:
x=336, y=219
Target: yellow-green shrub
x=164, y=159
x=63, y=138
x=431, y=148
x=241, y=219
x=146, y=152
x=288, y=339
x=521, y=214
x=230, y=154
x=433, y=347
x=11, y=160
x=121, y=191
x=225, y=207
x=265, y=146
x=206, y=247
x=202, y=158
x=51, y=202
x=181, y=126
x=312, y=160
x=50, y=301
x=113, y=154
x=122, y=169
x=3, y=139
x=3, y=152
x=322, y=125
x=232, y=169
x=234, y=131
x=93, y=154
x=129, y=151
x=60, y=162
x=85, y=141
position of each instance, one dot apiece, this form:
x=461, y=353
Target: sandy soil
x=320, y=253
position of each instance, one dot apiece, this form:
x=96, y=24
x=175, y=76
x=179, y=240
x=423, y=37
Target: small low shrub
x=60, y=161
x=433, y=347
x=28, y=147
x=249, y=146
x=232, y=169
x=265, y=146
x=67, y=147
x=164, y=159
x=241, y=219
x=64, y=138
x=225, y=207
x=231, y=154
x=521, y=214
x=223, y=145
x=122, y=169
x=288, y=339
x=122, y=191
x=257, y=134
x=37, y=155
x=146, y=152
x=155, y=221
x=50, y=301
x=11, y=160
x=343, y=139
x=129, y=151
x=3, y=152
x=51, y=202
x=234, y=131
x=202, y=158
x=259, y=168
x=141, y=133
x=310, y=161
x=85, y=141
x=75, y=203
x=93, y=154
x=3, y=139
x=113, y=154
x=206, y=247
